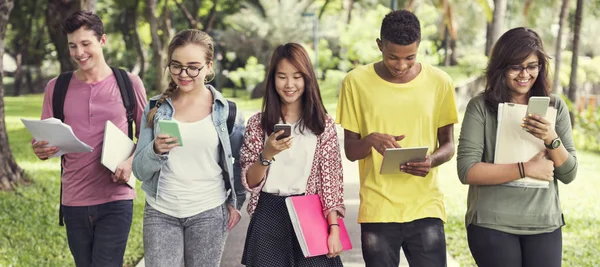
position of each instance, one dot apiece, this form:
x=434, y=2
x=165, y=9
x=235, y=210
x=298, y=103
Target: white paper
x=58, y=134
x=513, y=144
x=116, y=148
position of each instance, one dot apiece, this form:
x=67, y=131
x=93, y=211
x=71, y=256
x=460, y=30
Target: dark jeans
x=491, y=248
x=98, y=234
x=423, y=242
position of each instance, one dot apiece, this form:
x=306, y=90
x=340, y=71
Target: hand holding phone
x=538, y=105
x=171, y=128
x=287, y=130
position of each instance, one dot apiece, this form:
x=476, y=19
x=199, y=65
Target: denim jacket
x=147, y=164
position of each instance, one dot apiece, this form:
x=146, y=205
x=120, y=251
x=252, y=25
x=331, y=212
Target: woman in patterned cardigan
x=306, y=162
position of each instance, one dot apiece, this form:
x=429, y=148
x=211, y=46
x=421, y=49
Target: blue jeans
x=423, y=242
x=196, y=241
x=98, y=234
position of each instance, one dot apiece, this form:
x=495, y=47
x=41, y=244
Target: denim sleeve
x=146, y=163
x=236, y=139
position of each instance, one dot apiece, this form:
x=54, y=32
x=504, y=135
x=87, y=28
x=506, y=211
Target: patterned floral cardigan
x=326, y=175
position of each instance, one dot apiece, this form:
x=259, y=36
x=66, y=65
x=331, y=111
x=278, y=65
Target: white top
x=191, y=181
x=289, y=172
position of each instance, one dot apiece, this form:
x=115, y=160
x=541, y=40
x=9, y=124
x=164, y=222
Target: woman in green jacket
x=510, y=225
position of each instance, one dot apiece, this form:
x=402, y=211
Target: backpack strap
x=127, y=95
x=58, y=102
x=231, y=116
x=59, y=94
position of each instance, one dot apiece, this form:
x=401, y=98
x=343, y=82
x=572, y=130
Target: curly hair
x=401, y=27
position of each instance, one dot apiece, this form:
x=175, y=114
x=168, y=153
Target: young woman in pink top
x=307, y=162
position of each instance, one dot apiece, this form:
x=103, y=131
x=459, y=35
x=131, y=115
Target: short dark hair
x=85, y=19
x=313, y=111
x=512, y=48
x=401, y=27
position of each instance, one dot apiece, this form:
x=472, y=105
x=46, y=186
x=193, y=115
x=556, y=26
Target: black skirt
x=271, y=241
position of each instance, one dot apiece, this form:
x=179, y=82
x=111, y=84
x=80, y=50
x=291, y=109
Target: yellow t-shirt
x=416, y=109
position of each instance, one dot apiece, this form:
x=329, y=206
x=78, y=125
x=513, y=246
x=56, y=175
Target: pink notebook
x=310, y=226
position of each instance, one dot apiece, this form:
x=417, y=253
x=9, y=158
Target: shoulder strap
x=60, y=92
x=58, y=102
x=128, y=96
x=231, y=116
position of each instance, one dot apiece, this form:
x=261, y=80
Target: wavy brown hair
x=313, y=111
x=182, y=38
x=513, y=48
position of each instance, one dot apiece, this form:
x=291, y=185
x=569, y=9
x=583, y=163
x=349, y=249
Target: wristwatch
x=555, y=143
x=263, y=161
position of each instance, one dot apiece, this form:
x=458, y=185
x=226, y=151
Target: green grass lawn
x=30, y=236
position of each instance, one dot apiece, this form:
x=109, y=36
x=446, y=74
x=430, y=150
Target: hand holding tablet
x=393, y=158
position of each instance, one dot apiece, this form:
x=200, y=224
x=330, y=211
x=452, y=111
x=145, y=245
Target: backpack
x=58, y=101
x=230, y=117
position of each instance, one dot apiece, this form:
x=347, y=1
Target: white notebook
x=116, y=148
x=513, y=144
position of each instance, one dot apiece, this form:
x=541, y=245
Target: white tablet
x=394, y=157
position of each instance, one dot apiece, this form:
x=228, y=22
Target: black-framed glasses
x=514, y=70
x=191, y=71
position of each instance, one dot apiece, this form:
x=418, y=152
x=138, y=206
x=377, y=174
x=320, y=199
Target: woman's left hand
x=539, y=127
x=333, y=243
x=234, y=217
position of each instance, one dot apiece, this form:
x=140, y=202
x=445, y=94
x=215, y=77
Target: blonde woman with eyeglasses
x=507, y=225
x=193, y=192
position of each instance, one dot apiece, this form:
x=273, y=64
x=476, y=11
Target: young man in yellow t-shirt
x=398, y=102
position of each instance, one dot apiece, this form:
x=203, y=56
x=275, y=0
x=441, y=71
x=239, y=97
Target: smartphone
x=287, y=130
x=538, y=105
x=171, y=128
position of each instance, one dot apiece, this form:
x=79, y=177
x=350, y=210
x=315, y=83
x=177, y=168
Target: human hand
x=539, y=127
x=123, y=172
x=381, y=141
x=163, y=143
x=539, y=167
x=274, y=146
x=43, y=152
x=234, y=217
x=417, y=168
x=333, y=242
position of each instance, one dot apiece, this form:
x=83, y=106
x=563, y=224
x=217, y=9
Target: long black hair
x=313, y=111
x=514, y=47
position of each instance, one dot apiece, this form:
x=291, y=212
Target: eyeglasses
x=191, y=71
x=515, y=70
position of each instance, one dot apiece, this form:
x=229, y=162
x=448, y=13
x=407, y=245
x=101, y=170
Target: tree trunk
x=158, y=55
x=130, y=34
x=57, y=11
x=350, y=7
x=495, y=29
x=564, y=11
x=18, y=84
x=10, y=172
x=574, y=63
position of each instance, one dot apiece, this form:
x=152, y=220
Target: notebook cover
x=313, y=232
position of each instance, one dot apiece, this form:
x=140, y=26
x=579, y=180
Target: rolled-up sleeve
x=567, y=172
x=471, y=141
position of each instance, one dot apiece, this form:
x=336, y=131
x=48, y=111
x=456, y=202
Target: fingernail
x=522, y=125
x=530, y=115
x=524, y=119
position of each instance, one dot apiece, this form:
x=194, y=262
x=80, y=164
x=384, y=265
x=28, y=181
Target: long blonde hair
x=182, y=38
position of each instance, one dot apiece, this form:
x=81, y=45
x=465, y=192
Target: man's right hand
x=43, y=152
x=381, y=141
x=539, y=167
